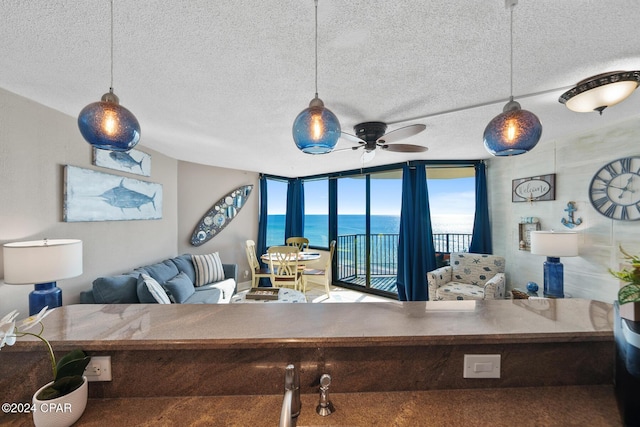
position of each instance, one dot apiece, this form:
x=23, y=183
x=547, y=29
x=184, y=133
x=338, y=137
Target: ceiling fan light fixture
x=515, y=131
x=106, y=124
x=601, y=91
x=316, y=130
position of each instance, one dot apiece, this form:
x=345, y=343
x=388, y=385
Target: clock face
x=615, y=189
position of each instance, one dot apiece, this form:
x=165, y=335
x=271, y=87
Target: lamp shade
x=514, y=131
x=316, y=130
x=108, y=125
x=42, y=261
x=601, y=91
x=554, y=243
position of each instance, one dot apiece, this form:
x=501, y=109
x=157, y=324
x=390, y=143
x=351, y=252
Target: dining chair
x=301, y=242
x=257, y=271
x=283, y=264
x=325, y=273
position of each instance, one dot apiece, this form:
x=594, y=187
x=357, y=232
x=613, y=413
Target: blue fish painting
x=90, y=195
x=122, y=197
x=132, y=161
x=125, y=159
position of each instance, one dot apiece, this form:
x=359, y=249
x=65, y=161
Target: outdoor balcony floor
x=381, y=283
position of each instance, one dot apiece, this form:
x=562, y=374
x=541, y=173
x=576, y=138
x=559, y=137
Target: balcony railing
x=352, y=249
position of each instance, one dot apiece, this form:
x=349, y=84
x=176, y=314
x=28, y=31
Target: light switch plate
x=481, y=366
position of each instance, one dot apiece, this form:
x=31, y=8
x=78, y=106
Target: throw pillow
x=180, y=287
x=208, y=268
x=154, y=288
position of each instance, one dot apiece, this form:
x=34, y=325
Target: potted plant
x=629, y=294
x=62, y=401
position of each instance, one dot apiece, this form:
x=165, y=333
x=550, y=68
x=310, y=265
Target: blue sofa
x=176, y=275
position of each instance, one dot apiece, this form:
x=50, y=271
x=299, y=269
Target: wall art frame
x=90, y=195
x=534, y=188
x=133, y=161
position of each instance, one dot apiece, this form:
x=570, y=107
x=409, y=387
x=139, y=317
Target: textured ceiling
x=220, y=82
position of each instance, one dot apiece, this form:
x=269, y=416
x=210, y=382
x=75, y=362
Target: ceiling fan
x=371, y=136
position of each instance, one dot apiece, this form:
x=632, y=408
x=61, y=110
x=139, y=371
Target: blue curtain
x=294, y=220
x=416, y=254
x=261, y=243
x=481, y=237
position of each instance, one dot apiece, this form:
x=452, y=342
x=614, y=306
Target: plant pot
x=62, y=411
x=630, y=311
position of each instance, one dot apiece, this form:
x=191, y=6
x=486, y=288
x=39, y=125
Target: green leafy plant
x=67, y=372
x=631, y=291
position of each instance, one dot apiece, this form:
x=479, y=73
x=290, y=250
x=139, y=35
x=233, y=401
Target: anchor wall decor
x=570, y=223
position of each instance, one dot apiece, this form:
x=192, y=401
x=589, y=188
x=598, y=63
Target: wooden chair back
x=283, y=264
x=301, y=242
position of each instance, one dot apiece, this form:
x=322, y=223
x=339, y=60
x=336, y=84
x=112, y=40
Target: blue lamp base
x=553, y=278
x=44, y=294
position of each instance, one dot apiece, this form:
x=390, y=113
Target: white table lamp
x=553, y=245
x=41, y=263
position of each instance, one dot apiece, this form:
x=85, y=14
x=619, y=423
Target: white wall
x=35, y=144
x=199, y=188
x=574, y=160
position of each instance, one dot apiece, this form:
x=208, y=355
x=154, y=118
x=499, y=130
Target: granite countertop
x=539, y=406
x=149, y=326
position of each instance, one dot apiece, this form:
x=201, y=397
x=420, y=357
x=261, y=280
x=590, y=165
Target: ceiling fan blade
x=404, y=132
x=367, y=156
x=348, y=149
x=404, y=148
x=351, y=138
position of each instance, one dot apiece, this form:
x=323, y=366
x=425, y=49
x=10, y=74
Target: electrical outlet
x=98, y=369
x=481, y=366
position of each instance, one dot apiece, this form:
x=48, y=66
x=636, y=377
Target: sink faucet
x=291, y=403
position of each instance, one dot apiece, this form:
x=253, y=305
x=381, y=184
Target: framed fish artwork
x=132, y=161
x=90, y=195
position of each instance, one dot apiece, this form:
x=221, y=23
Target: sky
x=446, y=196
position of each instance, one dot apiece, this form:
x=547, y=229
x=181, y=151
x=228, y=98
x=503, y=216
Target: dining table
x=303, y=257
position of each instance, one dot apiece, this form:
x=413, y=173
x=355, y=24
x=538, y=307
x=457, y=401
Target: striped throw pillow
x=208, y=268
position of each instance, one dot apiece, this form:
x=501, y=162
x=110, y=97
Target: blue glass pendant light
x=316, y=130
x=107, y=124
x=514, y=131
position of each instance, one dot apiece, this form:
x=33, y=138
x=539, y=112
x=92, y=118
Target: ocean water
x=316, y=226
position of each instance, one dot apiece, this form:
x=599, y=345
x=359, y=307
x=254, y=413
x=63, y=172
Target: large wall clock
x=615, y=189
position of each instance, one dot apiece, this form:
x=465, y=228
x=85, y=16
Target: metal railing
x=352, y=249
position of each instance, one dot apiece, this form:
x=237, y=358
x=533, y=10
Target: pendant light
x=515, y=131
x=107, y=124
x=599, y=92
x=316, y=130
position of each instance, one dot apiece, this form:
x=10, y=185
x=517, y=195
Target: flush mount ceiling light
x=515, y=131
x=599, y=92
x=316, y=129
x=107, y=124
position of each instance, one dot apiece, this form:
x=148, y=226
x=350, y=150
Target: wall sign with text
x=534, y=189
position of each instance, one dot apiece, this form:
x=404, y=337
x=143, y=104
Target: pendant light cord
x=111, y=85
x=316, y=42
x=511, y=54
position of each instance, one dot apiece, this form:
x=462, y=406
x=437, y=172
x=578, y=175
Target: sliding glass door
x=368, y=226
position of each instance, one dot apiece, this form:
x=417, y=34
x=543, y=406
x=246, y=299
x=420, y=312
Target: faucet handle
x=325, y=407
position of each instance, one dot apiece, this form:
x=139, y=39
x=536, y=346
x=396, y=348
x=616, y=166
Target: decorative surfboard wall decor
x=220, y=214
x=132, y=161
x=96, y=196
